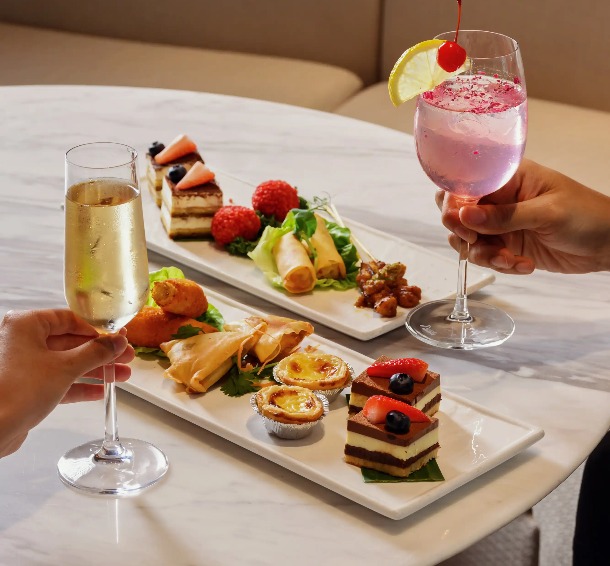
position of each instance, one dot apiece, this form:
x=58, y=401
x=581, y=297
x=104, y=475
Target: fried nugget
x=153, y=326
x=180, y=296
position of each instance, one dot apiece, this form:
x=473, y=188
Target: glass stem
x=460, y=308
x=111, y=449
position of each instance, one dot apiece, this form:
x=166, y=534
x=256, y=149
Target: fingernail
x=499, y=261
x=524, y=267
x=475, y=215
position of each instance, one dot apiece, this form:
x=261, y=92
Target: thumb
x=501, y=218
x=95, y=353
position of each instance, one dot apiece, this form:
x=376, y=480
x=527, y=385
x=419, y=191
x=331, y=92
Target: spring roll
x=293, y=264
x=281, y=337
x=329, y=263
x=200, y=361
x=180, y=296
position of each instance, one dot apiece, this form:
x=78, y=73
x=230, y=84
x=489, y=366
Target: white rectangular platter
x=434, y=273
x=473, y=439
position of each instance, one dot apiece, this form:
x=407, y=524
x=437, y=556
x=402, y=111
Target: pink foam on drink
x=478, y=94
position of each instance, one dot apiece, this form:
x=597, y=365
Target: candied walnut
x=392, y=272
x=372, y=287
x=386, y=306
x=408, y=296
x=383, y=287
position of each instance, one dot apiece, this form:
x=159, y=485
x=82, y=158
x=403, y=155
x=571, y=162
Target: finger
x=92, y=354
x=66, y=341
x=451, y=220
x=439, y=198
x=83, y=392
x=69, y=341
x=122, y=372
x=64, y=321
x=494, y=255
x=12, y=445
x=504, y=218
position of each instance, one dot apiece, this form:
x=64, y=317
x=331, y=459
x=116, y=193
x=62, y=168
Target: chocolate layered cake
x=370, y=445
x=189, y=201
x=425, y=395
x=160, y=159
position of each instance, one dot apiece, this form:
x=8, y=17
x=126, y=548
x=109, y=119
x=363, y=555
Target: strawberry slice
x=378, y=406
x=414, y=367
x=180, y=146
x=198, y=174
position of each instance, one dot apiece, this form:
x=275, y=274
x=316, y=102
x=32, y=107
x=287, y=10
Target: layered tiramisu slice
x=159, y=160
x=189, y=201
x=391, y=436
x=404, y=379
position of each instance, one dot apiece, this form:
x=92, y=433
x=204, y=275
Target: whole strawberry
x=231, y=222
x=275, y=198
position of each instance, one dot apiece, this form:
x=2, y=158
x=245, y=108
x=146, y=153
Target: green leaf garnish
x=213, y=317
x=148, y=353
x=240, y=246
x=186, y=331
x=237, y=383
x=430, y=472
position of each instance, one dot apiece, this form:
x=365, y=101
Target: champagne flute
x=106, y=284
x=470, y=136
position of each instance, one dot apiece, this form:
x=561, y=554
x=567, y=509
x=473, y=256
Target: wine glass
x=470, y=136
x=106, y=284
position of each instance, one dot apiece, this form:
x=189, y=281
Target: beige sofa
x=330, y=55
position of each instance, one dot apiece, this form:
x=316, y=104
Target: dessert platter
x=183, y=199
x=291, y=422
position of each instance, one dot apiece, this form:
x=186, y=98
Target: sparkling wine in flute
x=106, y=268
x=106, y=284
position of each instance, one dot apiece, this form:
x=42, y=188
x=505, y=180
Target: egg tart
x=289, y=404
x=313, y=370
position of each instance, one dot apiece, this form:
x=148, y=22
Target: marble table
x=221, y=504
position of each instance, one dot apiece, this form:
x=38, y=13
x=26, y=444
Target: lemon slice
x=417, y=71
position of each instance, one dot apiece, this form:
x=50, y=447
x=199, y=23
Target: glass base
x=140, y=466
x=489, y=326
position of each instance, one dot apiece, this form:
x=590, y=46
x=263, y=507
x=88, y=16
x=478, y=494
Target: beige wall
x=339, y=32
x=565, y=43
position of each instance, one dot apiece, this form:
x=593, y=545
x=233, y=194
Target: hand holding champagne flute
x=106, y=284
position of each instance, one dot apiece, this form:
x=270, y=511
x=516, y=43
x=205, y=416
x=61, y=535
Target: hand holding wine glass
x=106, y=284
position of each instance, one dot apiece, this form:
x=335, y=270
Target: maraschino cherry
x=452, y=56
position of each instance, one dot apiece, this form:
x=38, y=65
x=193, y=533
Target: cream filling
x=185, y=222
x=401, y=452
x=358, y=400
x=186, y=203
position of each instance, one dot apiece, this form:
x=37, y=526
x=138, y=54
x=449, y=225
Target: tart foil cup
x=330, y=394
x=289, y=431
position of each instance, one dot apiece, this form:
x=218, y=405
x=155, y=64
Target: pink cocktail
x=470, y=135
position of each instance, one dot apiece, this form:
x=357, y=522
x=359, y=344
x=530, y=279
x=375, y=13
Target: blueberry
x=176, y=173
x=397, y=422
x=155, y=148
x=401, y=384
